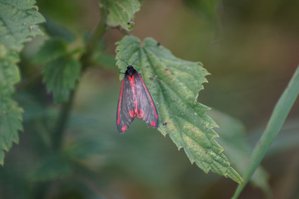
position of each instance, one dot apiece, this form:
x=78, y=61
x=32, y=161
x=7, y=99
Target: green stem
x=61, y=124
x=273, y=127
x=93, y=41
x=62, y=121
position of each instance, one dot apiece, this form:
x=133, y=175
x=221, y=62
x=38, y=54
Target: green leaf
x=18, y=22
x=237, y=148
x=52, y=49
x=10, y=124
x=174, y=84
x=9, y=73
x=60, y=76
x=10, y=112
x=54, y=29
x=121, y=12
x=61, y=69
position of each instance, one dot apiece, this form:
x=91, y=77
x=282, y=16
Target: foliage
x=10, y=124
x=70, y=142
x=9, y=72
x=121, y=12
x=174, y=84
x=61, y=69
x=18, y=24
x=19, y=21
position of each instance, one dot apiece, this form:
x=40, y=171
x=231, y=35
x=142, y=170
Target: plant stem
x=62, y=121
x=93, y=41
x=61, y=124
x=273, y=127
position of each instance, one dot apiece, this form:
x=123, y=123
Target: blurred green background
x=249, y=47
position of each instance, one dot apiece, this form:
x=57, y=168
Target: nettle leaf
x=10, y=112
x=18, y=22
x=121, y=12
x=10, y=124
x=60, y=76
x=52, y=49
x=9, y=72
x=61, y=69
x=174, y=84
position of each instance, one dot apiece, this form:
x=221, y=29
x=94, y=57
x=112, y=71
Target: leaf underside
x=60, y=69
x=121, y=12
x=18, y=24
x=174, y=84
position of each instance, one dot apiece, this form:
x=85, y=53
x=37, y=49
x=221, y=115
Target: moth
x=134, y=101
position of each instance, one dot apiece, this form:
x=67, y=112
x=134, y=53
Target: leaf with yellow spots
x=174, y=85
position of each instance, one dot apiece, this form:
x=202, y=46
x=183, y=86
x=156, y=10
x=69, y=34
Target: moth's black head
x=130, y=70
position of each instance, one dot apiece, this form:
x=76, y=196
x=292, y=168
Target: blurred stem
x=64, y=114
x=42, y=190
x=93, y=41
x=61, y=124
x=62, y=121
x=277, y=119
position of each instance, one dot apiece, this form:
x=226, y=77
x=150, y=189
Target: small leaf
x=9, y=73
x=10, y=124
x=60, y=76
x=61, y=69
x=121, y=12
x=18, y=22
x=174, y=84
x=52, y=49
x=10, y=112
